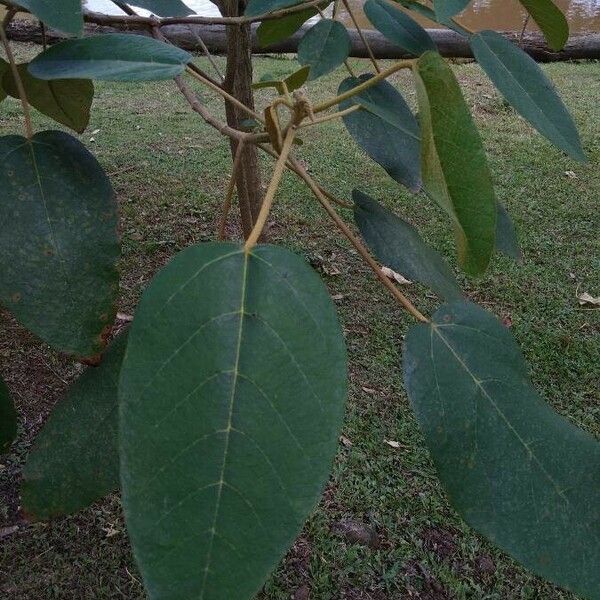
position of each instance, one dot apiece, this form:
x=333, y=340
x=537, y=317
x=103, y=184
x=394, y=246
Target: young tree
x=218, y=413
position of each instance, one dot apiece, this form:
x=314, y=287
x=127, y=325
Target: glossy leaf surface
x=232, y=396
x=526, y=87
x=67, y=101
x=324, y=47
x=59, y=246
x=65, y=15
x=110, y=57
x=164, y=8
x=8, y=418
x=276, y=30
x=74, y=460
x=398, y=245
x=398, y=27
x=455, y=170
x=385, y=129
x=522, y=475
x=550, y=20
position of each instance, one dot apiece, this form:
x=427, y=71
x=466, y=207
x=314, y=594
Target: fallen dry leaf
x=393, y=443
x=586, y=298
x=368, y=390
x=571, y=174
x=391, y=274
x=345, y=441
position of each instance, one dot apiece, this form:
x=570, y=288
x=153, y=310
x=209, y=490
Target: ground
x=384, y=529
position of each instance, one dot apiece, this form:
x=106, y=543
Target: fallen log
x=449, y=43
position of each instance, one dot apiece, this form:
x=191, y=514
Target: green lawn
x=170, y=172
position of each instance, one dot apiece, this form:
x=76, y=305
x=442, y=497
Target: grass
x=170, y=172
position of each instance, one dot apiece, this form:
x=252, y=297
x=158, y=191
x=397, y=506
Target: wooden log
x=450, y=43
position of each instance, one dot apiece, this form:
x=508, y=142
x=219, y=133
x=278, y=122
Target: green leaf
x=446, y=9
x=324, y=47
x=428, y=13
x=261, y=7
x=506, y=234
x=61, y=14
x=110, y=57
x=67, y=101
x=292, y=82
x=74, y=460
x=275, y=30
x=232, y=397
x=398, y=27
x=4, y=68
x=386, y=129
x=164, y=8
x=59, y=244
x=550, y=20
x=515, y=470
x=455, y=169
x=524, y=85
x=397, y=244
x=297, y=79
x=8, y=418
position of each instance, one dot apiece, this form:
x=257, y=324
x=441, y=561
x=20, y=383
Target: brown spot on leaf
x=16, y=297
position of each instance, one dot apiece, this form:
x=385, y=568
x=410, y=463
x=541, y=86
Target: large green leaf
x=398, y=27
x=59, y=244
x=519, y=473
x=385, y=129
x=4, y=68
x=8, y=418
x=110, y=57
x=275, y=30
x=324, y=47
x=455, y=169
x=261, y=7
x=550, y=20
x=232, y=396
x=526, y=87
x=398, y=245
x=74, y=460
x=67, y=101
x=446, y=9
x=164, y=8
x=65, y=15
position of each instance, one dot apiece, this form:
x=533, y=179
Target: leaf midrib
x=221, y=482
x=495, y=406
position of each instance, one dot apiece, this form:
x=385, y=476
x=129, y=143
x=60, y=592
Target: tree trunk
x=238, y=82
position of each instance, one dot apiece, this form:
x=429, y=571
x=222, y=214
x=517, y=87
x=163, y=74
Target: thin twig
x=361, y=35
x=525, y=23
x=222, y=92
x=18, y=81
x=207, y=53
x=230, y=189
x=293, y=169
x=398, y=295
x=335, y=115
x=265, y=208
x=103, y=19
x=402, y=64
